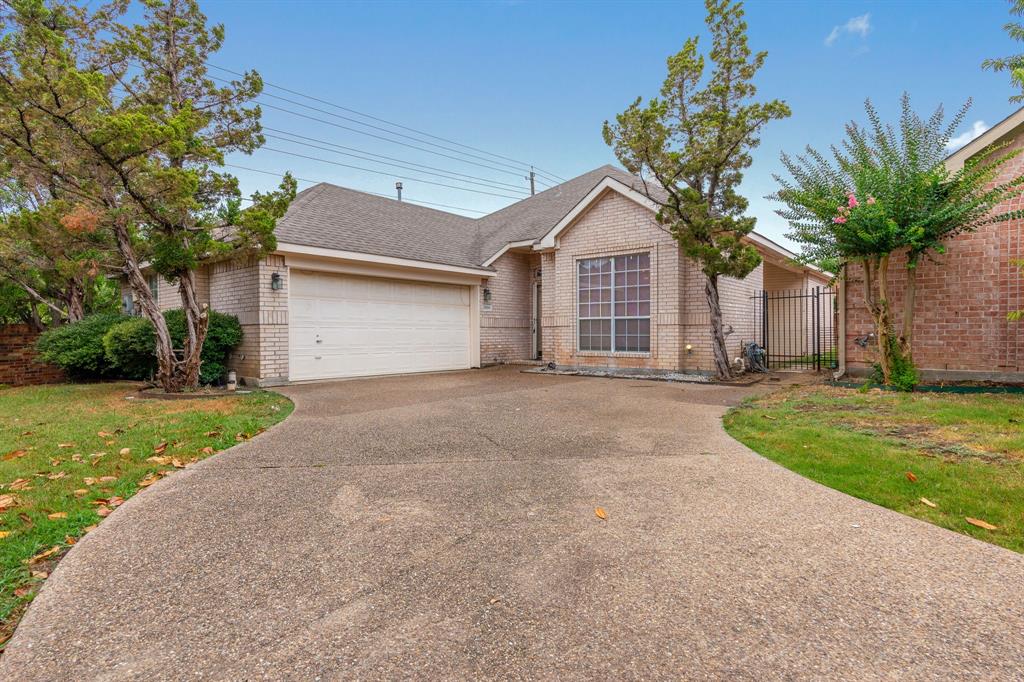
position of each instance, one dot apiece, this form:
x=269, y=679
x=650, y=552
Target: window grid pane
x=614, y=303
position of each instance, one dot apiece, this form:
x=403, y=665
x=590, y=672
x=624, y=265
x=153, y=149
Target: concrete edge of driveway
x=165, y=485
x=867, y=503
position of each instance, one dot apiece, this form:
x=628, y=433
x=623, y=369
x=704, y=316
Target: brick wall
x=960, y=325
x=18, y=365
x=506, y=329
x=614, y=225
x=233, y=291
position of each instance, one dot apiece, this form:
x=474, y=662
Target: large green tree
x=692, y=145
x=124, y=116
x=886, y=192
x=1013, y=64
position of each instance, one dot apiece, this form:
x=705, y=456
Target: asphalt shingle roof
x=332, y=217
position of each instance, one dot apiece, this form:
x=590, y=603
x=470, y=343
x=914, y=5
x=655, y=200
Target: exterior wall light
x=276, y=281
x=689, y=349
x=487, y=295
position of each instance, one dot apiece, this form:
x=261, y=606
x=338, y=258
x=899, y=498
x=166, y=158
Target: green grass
x=49, y=436
x=966, y=451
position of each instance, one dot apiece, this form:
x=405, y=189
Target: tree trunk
x=167, y=373
x=196, y=322
x=906, y=337
x=723, y=369
x=878, y=306
x=76, y=300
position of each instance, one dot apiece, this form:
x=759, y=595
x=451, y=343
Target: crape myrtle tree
x=1014, y=64
x=690, y=147
x=886, y=192
x=132, y=127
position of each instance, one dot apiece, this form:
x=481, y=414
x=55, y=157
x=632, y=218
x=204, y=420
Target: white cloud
x=977, y=128
x=859, y=26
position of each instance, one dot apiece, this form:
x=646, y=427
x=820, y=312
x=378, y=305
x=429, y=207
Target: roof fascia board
x=303, y=250
x=956, y=160
x=503, y=250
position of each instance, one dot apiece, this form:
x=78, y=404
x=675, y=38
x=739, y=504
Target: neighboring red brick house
x=960, y=326
x=18, y=363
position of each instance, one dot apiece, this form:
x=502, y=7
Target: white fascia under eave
x=303, y=250
x=526, y=243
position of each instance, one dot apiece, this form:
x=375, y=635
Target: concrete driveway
x=443, y=527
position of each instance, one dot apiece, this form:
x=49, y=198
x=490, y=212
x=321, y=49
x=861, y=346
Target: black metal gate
x=797, y=329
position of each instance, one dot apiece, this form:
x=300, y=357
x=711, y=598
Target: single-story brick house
x=961, y=332
x=579, y=275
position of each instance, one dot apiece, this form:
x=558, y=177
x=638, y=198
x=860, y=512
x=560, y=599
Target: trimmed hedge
x=78, y=348
x=130, y=345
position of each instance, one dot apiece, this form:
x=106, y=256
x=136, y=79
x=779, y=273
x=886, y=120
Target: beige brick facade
x=506, y=321
x=616, y=225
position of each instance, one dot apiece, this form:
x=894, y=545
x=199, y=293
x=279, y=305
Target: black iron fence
x=797, y=329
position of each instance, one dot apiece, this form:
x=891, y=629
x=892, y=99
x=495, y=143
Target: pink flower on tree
x=852, y=200
x=871, y=201
x=839, y=219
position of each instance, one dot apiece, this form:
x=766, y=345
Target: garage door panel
x=370, y=326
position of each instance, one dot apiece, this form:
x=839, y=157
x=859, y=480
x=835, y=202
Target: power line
x=401, y=177
x=387, y=139
x=386, y=196
x=391, y=123
x=399, y=163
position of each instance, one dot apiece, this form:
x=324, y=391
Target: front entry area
x=353, y=326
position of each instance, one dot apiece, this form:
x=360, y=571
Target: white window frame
x=613, y=318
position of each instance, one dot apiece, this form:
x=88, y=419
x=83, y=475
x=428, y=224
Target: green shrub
x=78, y=348
x=903, y=374
x=131, y=346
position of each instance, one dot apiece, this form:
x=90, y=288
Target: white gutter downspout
x=841, y=340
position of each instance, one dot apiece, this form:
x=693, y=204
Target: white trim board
x=301, y=249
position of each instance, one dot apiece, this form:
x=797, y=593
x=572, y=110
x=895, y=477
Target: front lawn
x=71, y=454
x=964, y=454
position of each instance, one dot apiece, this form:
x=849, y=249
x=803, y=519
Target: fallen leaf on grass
x=55, y=462
x=177, y=463
x=107, y=479
x=8, y=501
x=44, y=555
x=207, y=450
x=89, y=529
x=929, y=503
x=57, y=515
x=980, y=524
x=23, y=590
x=89, y=480
x=4, y=533
x=600, y=513
x=768, y=417
x=115, y=501
x=65, y=445
x=57, y=475
x=20, y=484
x=103, y=512
x=40, y=575
x=104, y=434
x=68, y=540
x=911, y=477
x=149, y=480
x=77, y=457
x=212, y=434
x=159, y=449
x=14, y=454
x=125, y=451
x=80, y=492
x=162, y=461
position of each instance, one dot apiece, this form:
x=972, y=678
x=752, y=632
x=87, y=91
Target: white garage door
x=347, y=326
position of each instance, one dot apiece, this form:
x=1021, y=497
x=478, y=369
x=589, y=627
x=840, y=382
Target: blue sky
x=533, y=81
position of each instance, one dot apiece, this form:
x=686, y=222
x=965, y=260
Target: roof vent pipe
x=398, y=187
